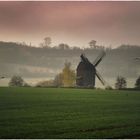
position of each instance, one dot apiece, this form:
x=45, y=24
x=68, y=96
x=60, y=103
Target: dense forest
x=28, y=61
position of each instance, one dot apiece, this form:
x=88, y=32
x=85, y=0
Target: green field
x=69, y=113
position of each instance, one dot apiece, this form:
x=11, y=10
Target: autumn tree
x=66, y=78
x=68, y=75
x=120, y=83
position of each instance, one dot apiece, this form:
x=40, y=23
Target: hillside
x=29, y=61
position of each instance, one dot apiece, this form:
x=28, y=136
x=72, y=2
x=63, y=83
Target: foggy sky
x=75, y=23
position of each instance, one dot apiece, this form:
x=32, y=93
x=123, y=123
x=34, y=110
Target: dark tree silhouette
x=137, y=84
x=92, y=44
x=47, y=42
x=120, y=83
x=16, y=81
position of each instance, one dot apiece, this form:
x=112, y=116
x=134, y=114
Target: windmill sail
x=100, y=78
x=98, y=59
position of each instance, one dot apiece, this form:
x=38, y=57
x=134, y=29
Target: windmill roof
x=85, y=65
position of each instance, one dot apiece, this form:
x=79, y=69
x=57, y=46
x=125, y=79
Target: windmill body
x=86, y=72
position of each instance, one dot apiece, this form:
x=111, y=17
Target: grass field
x=69, y=113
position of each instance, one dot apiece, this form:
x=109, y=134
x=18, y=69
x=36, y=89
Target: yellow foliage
x=67, y=77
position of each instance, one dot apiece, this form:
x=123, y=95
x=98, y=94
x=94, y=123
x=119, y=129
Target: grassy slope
x=69, y=113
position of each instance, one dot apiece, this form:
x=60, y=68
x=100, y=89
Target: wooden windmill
x=86, y=71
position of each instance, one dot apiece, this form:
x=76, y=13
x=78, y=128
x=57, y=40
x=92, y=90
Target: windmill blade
x=100, y=78
x=98, y=59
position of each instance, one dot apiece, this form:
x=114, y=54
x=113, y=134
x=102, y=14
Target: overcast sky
x=75, y=23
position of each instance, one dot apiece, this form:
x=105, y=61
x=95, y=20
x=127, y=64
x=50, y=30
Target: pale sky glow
x=75, y=23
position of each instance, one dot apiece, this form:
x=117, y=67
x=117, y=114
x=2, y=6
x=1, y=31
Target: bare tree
x=16, y=81
x=92, y=44
x=137, y=84
x=120, y=83
x=47, y=42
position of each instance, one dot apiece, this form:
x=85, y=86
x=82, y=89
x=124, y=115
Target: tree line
x=67, y=78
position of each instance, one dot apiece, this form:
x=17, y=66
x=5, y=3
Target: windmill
x=86, y=71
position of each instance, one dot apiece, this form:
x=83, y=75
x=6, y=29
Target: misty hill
x=29, y=61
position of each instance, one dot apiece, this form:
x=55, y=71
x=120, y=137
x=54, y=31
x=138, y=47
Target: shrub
x=16, y=81
x=137, y=84
x=120, y=83
x=48, y=83
x=108, y=88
